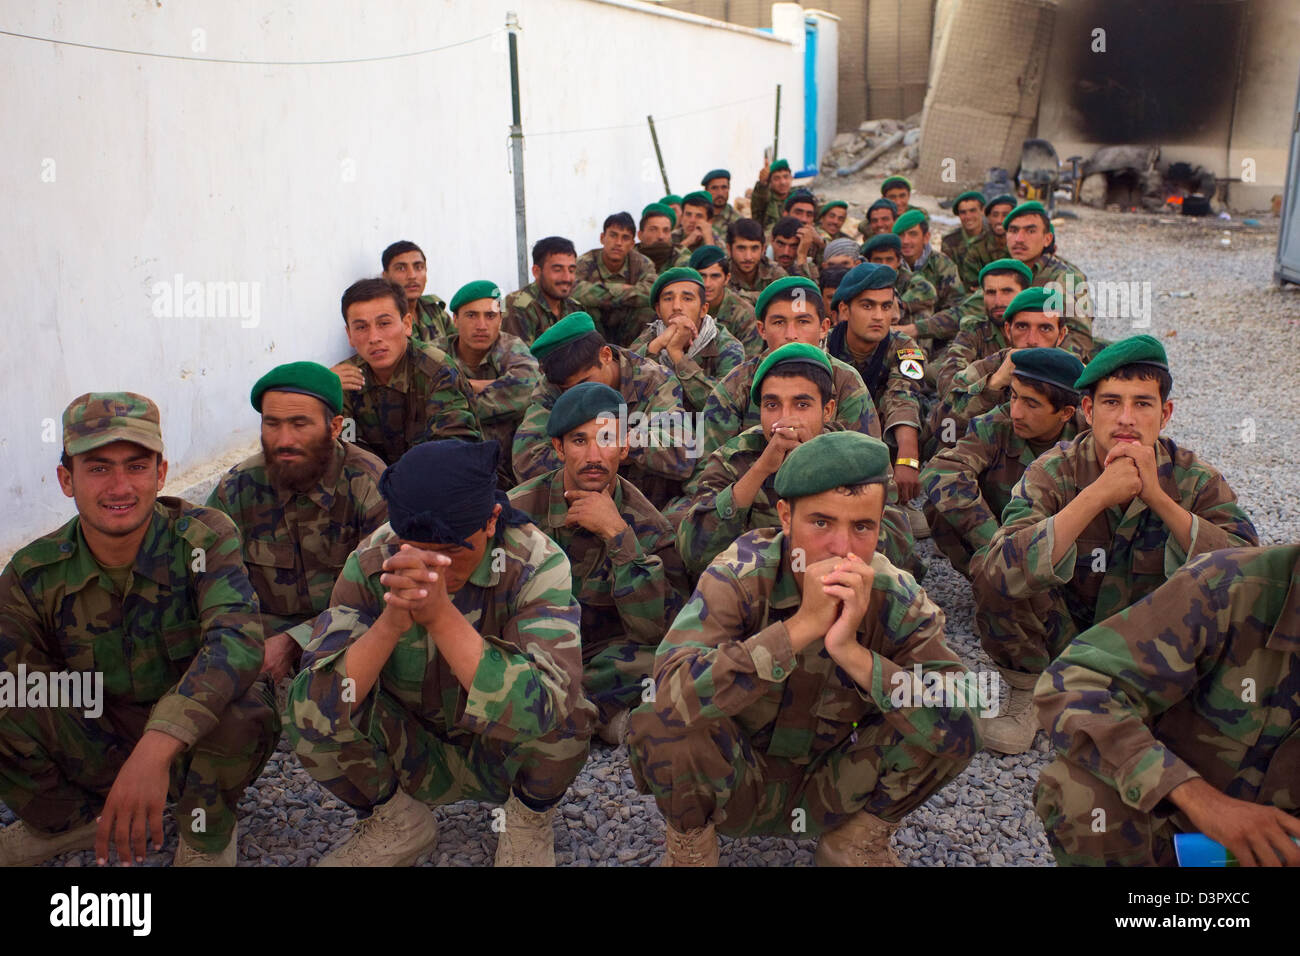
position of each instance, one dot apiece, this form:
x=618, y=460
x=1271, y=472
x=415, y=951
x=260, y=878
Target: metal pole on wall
x=517, y=153
x=776, y=132
x=660, y=156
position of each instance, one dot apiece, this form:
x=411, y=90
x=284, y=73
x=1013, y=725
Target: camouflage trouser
x=612, y=678
x=58, y=766
x=1025, y=634
x=383, y=746
x=711, y=771
x=897, y=543
x=945, y=537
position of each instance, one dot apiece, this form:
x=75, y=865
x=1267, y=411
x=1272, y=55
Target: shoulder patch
x=904, y=354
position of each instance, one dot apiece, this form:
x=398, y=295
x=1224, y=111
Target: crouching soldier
x=448, y=667
x=150, y=594
x=787, y=689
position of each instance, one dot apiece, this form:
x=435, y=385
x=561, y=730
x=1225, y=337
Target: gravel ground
x=1231, y=345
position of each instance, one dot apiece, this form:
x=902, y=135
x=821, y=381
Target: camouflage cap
x=832, y=460
x=101, y=418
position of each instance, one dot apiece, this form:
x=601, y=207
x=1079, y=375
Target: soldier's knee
x=247, y=720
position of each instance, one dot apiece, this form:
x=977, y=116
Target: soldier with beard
x=301, y=505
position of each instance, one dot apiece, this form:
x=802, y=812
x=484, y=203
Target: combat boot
x=21, y=845
x=697, y=847
x=528, y=836
x=1013, y=730
x=186, y=855
x=614, y=731
x=916, y=520
x=397, y=833
x=862, y=840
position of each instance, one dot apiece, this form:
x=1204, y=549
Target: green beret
x=828, y=206
x=573, y=326
x=1036, y=298
x=1007, y=265
x=883, y=203
x=1033, y=206
x=706, y=256
x=832, y=460
x=713, y=174
x=1056, y=366
x=913, y=217
x=677, y=274
x=968, y=194
x=672, y=199
x=795, y=353
x=885, y=240
x=895, y=181
x=1135, y=350
x=784, y=284
x=800, y=195
x=698, y=198
x=1003, y=200
x=305, y=378
x=779, y=165
x=864, y=277
x=659, y=209
x=581, y=404
x=472, y=291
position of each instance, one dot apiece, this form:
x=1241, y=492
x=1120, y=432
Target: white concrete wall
x=828, y=77
x=122, y=171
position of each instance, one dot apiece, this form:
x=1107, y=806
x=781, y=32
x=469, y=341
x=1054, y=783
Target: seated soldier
x=916, y=293
x=1155, y=733
x=673, y=202
x=627, y=577
x=718, y=184
x=532, y=310
x=397, y=392
x=880, y=219
x=767, y=199
x=913, y=231
x=697, y=221
x=995, y=211
x=1095, y=525
x=829, y=283
x=968, y=245
x=830, y=221
x=498, y=367
x=1030, y=321
x=301, y=505
x=979, y=334
x=615, y=282
x=404, y=264
x=840, y=253
x=967, y=486
x=898, y=190
x=685, y=339
x=149, y=596
x=735, y=314
x=773, y=688
x=655, y=238
x=750, y=270
x=793, y=249
x=572, y=351
x=448, y=667
x=891, y=366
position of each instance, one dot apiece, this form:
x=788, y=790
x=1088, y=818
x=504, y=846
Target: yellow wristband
x=909, y=462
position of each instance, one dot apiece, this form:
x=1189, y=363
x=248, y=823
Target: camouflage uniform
x=743, y=731
x=765, y=208
x=425, y=399
x=664, y=258
x=970, y=255
x=1152, y=697
x=527, y=314
x=629, y=589
x=765, y=273
x=737, y=316
x=500, y=407
x=1078, y=317
x=967, y=486
x=808, y=268
x=523, y=724
x=1028, y=609
x=432, y=321
x=294, y=545
x=618, y=301
x=647, y=387
x=897, y=397
x=942, y=274
x=965, y=396
x=179, y=650
x=697, y=374
x=722, y=218
x=918, y=296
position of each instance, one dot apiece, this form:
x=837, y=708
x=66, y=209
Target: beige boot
x=398, y=833
x=614, y=731
x=697, y=847
x=186, y=855
x=1013, y=730
x=916, y=519
x=862, y=840
x=21, y=845
x=528, y=838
